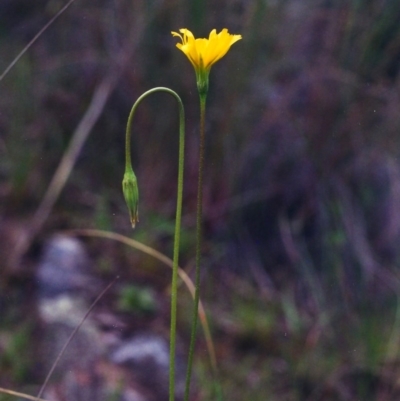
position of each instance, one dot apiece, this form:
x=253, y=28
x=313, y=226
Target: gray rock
x=95, y=366
x=146, y=355
x=64, y=268
x=64, y=284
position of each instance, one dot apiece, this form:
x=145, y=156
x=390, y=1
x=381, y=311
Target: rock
x=146, y=357
x=64, y=284
x=97, y=365
x=64, y=268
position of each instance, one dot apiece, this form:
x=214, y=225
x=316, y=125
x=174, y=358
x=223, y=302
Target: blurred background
x=301, y=195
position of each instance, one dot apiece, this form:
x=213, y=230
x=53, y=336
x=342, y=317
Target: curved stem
x=199, y=230
x=174, y=284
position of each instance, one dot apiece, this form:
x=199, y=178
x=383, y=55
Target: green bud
x=131, y=195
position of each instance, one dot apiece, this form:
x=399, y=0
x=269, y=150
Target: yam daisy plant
x=203, y=54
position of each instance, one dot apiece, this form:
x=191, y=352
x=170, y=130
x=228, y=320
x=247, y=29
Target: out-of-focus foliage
x=302, y=181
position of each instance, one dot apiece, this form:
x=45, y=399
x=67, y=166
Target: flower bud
x=131, y=195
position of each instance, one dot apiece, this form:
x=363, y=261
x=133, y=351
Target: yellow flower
x=203, y=53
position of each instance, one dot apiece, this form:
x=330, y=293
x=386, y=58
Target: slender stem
x=199, y=229
x=174, y=284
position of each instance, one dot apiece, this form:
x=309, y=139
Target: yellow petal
x=203, y=53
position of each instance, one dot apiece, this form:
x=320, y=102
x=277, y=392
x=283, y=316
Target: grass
x=301, y=188
x=264, y=351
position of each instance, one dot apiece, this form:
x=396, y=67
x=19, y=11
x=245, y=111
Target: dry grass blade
x=22, y=395
x=66, y=165
x=35, y=38
x=167, y=261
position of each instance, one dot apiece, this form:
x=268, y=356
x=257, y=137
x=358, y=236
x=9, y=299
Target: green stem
x=174, y=284
x=199, y=226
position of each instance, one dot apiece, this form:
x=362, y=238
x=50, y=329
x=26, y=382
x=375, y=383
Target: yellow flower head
x=203, y=53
